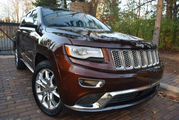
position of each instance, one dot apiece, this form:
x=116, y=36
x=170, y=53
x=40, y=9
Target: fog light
x=91, y=83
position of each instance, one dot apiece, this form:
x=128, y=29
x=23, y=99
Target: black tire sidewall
x=40, y=66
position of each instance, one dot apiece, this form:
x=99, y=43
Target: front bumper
x=71, y=91
x=103, y=103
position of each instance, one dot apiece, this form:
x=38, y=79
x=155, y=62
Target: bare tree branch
x=142, y=4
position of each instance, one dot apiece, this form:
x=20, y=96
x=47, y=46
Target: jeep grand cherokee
x=80, y=63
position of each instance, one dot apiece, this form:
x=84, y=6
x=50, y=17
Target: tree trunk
x=138, y=17
x=175, y=11
x=86, y=7
x=169, y=8
x=156, y=34
x=94, y=5
x=81, y=7
x=139, y=8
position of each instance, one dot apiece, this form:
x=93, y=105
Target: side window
x=23, y=21
x=34, y=15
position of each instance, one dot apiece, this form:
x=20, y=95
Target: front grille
x=134, y=59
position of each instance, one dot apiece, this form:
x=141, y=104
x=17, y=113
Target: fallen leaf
x=154, y=111
x=164, y=95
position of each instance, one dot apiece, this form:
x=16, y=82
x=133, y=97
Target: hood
x=92, y=34
x=97, y=36
x=115, y=36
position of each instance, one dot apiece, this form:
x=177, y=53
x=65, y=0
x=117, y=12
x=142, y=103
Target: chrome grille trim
x=139, y=59
x=134, y=59
x=157, y=57
x=149, y=58
x=122, y=60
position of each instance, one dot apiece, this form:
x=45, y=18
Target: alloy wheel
x=46, y=89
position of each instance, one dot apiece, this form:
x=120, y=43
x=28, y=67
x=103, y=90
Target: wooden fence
x=7, y=33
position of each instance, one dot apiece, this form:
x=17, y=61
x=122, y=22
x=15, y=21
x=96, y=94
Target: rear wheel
x=18, y=62
x=45, y=89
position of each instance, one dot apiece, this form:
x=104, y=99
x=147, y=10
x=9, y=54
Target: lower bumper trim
x=104, y=100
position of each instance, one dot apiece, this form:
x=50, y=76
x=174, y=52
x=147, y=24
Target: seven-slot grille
x=134, y=59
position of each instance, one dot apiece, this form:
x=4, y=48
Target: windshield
x=62, y=18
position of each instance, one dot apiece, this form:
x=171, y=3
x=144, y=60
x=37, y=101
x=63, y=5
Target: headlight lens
x=83, y=52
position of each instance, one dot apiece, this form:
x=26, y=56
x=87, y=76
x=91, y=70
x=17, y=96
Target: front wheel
x=45, y=89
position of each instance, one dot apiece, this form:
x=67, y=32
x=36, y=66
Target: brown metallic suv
x=79, y=63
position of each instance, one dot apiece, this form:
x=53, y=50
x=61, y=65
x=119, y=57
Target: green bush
x=128, y=22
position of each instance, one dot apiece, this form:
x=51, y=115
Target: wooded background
x=148, y=19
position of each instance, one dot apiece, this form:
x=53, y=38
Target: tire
x=45, y=91
x=18, y=62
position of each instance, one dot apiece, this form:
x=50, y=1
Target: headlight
x=83, y=52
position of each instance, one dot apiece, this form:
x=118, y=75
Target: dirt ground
x=170, y=60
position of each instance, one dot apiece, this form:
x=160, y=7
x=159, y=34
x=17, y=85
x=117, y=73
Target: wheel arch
x=49, y=55
x=39, y=58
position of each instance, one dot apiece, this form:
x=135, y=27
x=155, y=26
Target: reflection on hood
x=114, y=36
x=95, y=35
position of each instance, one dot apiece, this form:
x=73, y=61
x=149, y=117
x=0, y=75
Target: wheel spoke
x=42, y=79
x=49, y=101
x=47, y=75
x=45, y=104
x=43, y=98
x=52, y=101
x=55, y=87
x=51, y=81
x=55, y=93
x=40, y=93
x=38, y=82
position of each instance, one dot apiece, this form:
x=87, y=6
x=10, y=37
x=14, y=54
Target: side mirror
x=28, y=22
